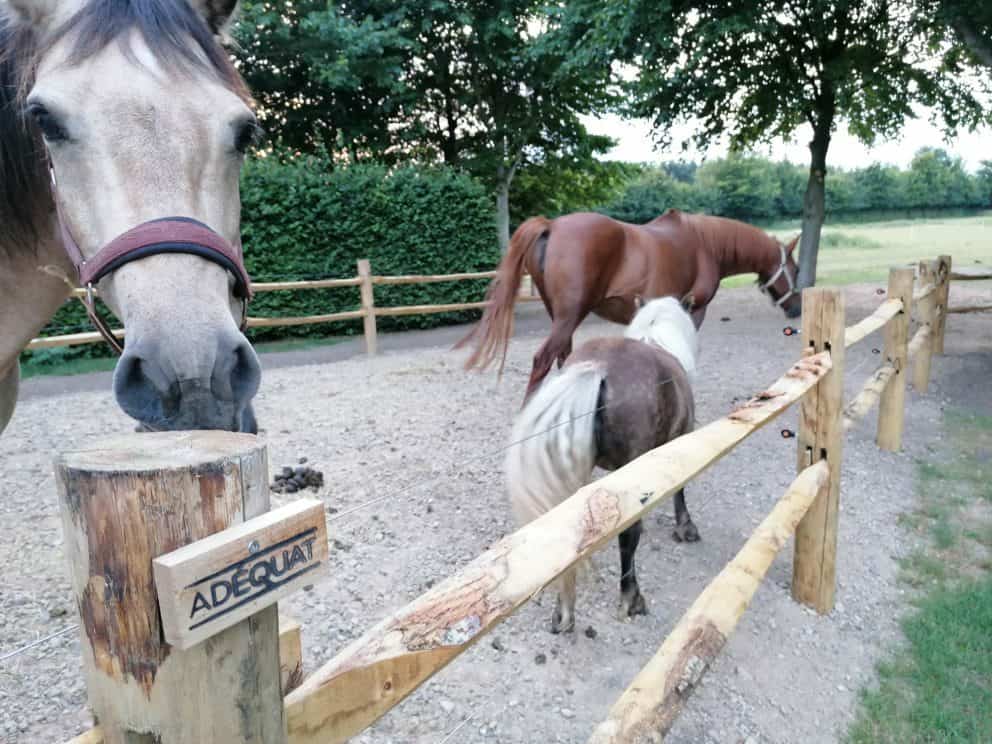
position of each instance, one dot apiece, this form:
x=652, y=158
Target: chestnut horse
x=587, y=262
x=614, y=400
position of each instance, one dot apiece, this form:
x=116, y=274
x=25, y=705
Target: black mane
x=172, y=29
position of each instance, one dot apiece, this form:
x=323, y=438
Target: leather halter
x=782, y=269
x=163, y=235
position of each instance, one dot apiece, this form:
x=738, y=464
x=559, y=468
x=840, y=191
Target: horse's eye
x=246, y=135
x=50, y=127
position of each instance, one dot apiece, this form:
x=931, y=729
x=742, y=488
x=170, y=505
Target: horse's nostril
x=244, y=370
x=141, y=387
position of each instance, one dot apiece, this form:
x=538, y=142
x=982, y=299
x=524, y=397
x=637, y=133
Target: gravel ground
x=412, y=427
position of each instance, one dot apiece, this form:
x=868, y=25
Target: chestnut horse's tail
x=491, y=335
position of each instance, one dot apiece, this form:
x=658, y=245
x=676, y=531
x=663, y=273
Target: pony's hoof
x=632, y=604
x=560, y=625
x=686, y=532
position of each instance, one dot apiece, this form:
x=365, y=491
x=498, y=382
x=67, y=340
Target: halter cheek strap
x=783, y=263
x=164, y=235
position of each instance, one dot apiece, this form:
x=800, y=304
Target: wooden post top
x=170, y=450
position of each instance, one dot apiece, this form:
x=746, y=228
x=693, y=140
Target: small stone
x=302, y=460
x=540, y=659
x=497, y=644
x=567, y=713
x=447, y=706
x=591, y=632
x=54, y=612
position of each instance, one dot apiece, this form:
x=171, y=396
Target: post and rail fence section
x=378, y=670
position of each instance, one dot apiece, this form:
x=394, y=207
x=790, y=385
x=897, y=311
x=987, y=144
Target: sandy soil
x=412, y=427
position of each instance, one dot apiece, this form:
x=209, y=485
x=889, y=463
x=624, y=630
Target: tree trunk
x=814, y=202
x=503, y=177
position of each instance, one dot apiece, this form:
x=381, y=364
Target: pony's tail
x=491, y=335
x=553, y=450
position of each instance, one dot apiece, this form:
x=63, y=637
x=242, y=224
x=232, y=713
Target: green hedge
x=301, y=219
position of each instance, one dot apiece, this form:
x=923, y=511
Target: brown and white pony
x=135, y=111
x=587, y=262
x=614, y=400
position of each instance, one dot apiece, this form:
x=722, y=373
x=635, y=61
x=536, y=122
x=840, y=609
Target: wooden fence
x=365, y=280
x=378, y=670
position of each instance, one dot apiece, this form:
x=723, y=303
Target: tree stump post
x=820, y=436
x=925, y=313
x=125, y=501
x=943, y=294
x=892, y=405
x=368, y=306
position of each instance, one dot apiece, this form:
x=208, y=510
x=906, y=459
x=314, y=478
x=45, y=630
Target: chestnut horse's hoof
x=686, y=532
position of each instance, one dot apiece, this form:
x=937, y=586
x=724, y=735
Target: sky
x=635, y=144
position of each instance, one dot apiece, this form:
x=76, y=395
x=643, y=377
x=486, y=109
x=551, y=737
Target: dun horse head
x=145, y=123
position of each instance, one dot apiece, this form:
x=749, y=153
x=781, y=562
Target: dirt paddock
x=414, y=429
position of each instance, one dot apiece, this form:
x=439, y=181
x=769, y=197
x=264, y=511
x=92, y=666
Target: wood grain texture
x=943, y=292
x=971, y=273
x=378, y=670
x=878, y=319
x=254, y=322
x=648, y=708
x=821, y=436
x=308, y=284
x=891, y=406
x=869, y=395
x=368, y=307
x=925, y=314
x=125, y=501
x=218, y=581
x=969, y=309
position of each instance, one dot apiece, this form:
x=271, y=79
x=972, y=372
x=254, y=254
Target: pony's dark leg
x=631, y=601
x=685, y=530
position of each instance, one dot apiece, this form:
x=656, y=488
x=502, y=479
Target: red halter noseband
x=163, y=235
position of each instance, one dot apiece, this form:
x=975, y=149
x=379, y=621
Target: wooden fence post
x=943, y=293
x=125, y=501
x=821, y=433
x=368, y=306
x=925, y=311
x=891, y=406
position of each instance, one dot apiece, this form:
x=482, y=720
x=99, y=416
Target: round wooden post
x=943, y=293
x=124, y=502
x=891, y=407
x=368, y=306
x=926, y=310
x=820, y=436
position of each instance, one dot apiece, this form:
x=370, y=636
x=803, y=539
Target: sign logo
x=252, y=577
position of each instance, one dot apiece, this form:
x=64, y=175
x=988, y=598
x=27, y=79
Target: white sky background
x=635, y=144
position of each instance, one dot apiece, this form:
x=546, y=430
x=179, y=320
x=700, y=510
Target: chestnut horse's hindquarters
x=491, y=335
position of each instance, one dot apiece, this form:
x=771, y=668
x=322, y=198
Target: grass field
x=937, y=687
x=864, y=252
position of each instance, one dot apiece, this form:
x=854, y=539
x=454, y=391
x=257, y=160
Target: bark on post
x=125, y=501
x=368, y=306
x=925, y=313
x=943, y=292
x=821, y=434
x=891, y=407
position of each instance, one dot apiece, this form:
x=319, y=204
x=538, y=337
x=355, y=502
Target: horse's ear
x=217, y=13
x=638, y=302
x=41, y=14
x=688, y=302
x=791, y=245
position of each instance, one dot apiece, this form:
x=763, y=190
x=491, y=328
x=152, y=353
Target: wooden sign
x=214, y=583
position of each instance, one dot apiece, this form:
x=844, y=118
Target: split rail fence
x=365, y=280
x=139, y=685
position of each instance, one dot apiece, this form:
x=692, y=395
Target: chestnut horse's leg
x=557, y=347
x=631, y=601
x=685, y=530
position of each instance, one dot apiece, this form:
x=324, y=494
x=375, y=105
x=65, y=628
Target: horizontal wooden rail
x=969, y=309
x=865, y=327
x=433, y=278
x=971, y=273
x=647, y=710
x=304, y=320
x=925, y=291
x=306, y=284
x=917, y=342
x=378, y=670
x=870, y=394
x=69, y=339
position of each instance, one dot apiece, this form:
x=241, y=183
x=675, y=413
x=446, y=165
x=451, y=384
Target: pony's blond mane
x=665, y=323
